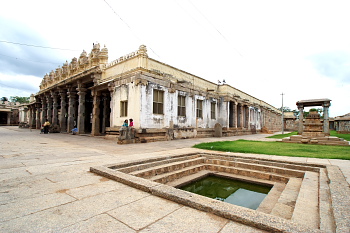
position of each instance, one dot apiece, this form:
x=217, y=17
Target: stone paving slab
x=99, y=223
x=74, y=212
x=67, y=159
x=28, y=206
x=187, y=219
x=142, y=213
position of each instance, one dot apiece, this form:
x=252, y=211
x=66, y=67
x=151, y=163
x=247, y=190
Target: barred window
x=158, y=101
x=199, y=109
x=181, y=105
x=213, y=110
x=124, y=108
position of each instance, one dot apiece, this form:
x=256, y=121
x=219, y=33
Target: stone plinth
x=313, y=133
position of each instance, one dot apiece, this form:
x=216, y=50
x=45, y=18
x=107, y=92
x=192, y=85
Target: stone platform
x=319, y=140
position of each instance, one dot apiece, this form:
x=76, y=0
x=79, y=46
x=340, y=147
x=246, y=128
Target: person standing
x=46, y=126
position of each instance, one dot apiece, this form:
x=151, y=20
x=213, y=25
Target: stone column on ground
x=49, y=107
x=43, y=110
x=217, y=130
x=326, y=118
x=63, y=116
x=54, y=96
x=81, y=108
x=96, y=113
x=104, y=112
x=301, y=119
x=71, y=108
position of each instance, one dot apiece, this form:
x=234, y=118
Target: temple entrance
x=3, y=118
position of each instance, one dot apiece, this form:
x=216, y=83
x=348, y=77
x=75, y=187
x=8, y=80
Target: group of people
x=127, y=124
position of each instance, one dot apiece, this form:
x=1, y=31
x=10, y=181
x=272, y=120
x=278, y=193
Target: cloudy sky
x=264, y=48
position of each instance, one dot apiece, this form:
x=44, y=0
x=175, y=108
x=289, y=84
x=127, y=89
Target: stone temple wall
x=272, y=121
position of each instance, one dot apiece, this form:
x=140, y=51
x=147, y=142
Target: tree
x=19, y=99
x=285, y=109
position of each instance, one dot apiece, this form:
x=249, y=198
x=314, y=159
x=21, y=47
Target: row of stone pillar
x=47, y=108
x=240, y=115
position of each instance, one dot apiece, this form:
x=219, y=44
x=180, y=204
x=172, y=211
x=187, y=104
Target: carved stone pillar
x=81, y=109
x=43, y=110
x=104, y=112
x=247, y=125
x=111, y=87
x=30, y=112
x=63, y=116
x=326, y=118
x=54, y=96
x=71, y=108
x=241, y=116
x=96, y=114
x=301, y=119
x=49, y=107
x=37, y=116
x=235, y=115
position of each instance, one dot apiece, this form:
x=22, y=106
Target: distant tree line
x=16, y=99
x=296, y=112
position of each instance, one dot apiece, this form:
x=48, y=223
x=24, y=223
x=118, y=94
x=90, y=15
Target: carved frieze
x=97, y=57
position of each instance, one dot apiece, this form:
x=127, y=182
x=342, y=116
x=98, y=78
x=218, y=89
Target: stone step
x=136, y=166
x=248, y=173
x=258, y=167
x=164, y=168
x=306, y=210
x=284, y=164
x=286, y=202
x=335, y=143
x=152, y=139
x=271, y=199
x=327, y=223
x=171, y=176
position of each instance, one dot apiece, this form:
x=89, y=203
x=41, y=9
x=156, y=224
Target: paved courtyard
x=46, y=186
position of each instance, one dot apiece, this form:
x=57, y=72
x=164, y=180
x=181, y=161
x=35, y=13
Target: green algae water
x=231, y=191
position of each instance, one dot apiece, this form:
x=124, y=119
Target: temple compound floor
x=46, y=186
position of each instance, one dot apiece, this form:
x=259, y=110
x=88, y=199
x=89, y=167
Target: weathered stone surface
x=142, y=213
x=187, y=220
x=237, y=227
x=71, y=213
x=99, y=223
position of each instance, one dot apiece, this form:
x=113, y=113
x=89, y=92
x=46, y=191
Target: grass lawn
x=280, y=136
x=279, y=148
x=345, y=136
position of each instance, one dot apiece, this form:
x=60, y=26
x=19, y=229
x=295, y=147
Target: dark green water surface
x=231, y=191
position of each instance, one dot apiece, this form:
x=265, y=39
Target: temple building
x=95, y=96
